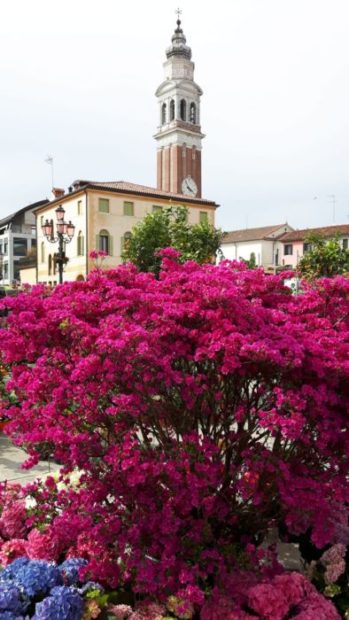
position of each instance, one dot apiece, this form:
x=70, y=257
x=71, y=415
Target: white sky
x=77, y=80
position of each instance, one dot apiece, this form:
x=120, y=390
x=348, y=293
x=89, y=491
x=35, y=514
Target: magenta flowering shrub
x=203, y=408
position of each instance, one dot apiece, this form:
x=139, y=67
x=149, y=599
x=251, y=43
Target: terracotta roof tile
x=252, y=234
x=325, y=231
x=145, y=189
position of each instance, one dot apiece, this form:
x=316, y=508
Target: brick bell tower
x=179, y=133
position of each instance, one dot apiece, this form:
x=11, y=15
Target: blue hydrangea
x=9, y=615
x=10, y=597
x=11, y=570
x=35, y=576
x=70, y=570
x=64, y=603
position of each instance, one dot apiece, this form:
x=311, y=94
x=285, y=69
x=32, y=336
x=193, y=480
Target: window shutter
x=97, y=242
x=111, y=252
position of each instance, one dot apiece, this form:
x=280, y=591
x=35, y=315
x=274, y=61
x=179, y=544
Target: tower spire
x=179, y=133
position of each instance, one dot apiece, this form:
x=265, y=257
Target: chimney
x=57, y=192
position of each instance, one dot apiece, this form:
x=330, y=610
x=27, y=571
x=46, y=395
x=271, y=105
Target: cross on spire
x=179, y=13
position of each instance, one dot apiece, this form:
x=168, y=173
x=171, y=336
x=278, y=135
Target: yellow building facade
x=104, y=215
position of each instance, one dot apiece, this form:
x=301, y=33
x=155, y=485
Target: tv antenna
x=333, y=201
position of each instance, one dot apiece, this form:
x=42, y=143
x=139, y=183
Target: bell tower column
x=179, y=133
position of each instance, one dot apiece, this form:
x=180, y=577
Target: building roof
x=325, y=231
x=135, y=188
x=124, y=187
x=32, y=206
x=253, y=234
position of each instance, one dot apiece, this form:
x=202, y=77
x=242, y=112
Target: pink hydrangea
x=120, y=612
x=317, y=607
x=12, y=549
x=42, y=546
x=12, y=521
x=268, y=601
x=334, y=571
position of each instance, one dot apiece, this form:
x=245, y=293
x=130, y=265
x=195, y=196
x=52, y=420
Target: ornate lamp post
x=64, y=234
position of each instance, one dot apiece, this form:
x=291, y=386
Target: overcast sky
x=77, y=81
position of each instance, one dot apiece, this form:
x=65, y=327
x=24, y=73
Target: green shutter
x=203, y=217
x=111, y=246
x=103, y=205
x=97, y=242
x=128, y=208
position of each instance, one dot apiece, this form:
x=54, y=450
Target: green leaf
x=332, y=590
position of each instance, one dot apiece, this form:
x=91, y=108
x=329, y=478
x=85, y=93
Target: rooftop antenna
x=333, y=200
x=49, y=161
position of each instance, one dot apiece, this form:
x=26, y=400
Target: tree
x=325, y=258
x=170, y=228
x=201, y=408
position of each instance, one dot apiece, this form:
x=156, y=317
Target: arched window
x=163, y=113
x=172, y=110
x=193, y=113
x=104, y=242
x=42, y=251
x=183, y=110
x=80, y=244
x=49, y=264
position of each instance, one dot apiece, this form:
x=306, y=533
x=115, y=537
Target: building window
x=157, y=209
x=19, y=246
x=104, y=242
x=49, y=264
x=103, y=205
x=80, y=207
x=183, y=110
x=306, y=247
x=172, y=110
x=80, y=244
x=203, y=217
x=41, y=220
x=5, y=271
x=345, y=244
x=5, y=247
x=192, y=113
x=124, y=240
x=163, y=113
x=288, y=249
x=42, y=252
x=128, y=208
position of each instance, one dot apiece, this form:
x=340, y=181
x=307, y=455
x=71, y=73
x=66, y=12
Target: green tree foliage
x=170, y=228
x=325, y=258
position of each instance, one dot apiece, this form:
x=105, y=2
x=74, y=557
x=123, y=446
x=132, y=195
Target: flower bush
x=40, y=590
x=202, y=409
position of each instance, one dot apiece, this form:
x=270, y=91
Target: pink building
x=295, y=242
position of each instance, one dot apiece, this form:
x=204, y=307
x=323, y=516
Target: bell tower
x=179, y=133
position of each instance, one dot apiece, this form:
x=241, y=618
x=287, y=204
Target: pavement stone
x=11, y=459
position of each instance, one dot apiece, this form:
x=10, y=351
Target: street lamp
x=64, y=234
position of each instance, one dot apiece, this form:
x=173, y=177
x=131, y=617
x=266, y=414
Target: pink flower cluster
x=289, y=595
x=19, y=534
x=203, y=408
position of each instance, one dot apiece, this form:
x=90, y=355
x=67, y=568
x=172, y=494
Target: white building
x=262, y=243
x=17, y=239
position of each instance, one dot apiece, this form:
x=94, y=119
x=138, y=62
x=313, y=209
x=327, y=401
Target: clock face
x=189, y=186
